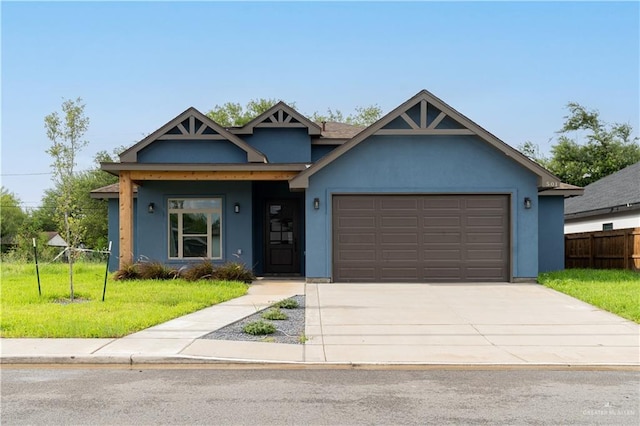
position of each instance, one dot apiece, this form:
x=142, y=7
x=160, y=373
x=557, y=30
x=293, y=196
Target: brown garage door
x=420, y=238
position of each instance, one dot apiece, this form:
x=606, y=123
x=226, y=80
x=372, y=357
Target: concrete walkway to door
x=503, y=323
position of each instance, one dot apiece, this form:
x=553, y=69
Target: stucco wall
x=192, y=151
x=423, y=164
x=282, y=145
x=151, y=232
x=550, y=235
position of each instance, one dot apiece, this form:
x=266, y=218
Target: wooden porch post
x=126, y=219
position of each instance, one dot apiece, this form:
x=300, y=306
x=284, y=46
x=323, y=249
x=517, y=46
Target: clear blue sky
x=510, y=66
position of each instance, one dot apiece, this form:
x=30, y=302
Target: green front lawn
x=615, y=291
x=129, y=306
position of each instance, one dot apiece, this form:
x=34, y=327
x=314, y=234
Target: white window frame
x=209, y=212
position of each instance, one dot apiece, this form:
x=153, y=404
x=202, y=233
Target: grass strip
x=129, y=306
x=616, y=291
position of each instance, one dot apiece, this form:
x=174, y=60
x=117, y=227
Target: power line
x=26, y=174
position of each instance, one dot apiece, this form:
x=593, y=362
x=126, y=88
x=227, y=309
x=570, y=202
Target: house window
x=607, y=226
x=195, y=228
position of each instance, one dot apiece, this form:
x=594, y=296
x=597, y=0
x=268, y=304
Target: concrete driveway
x=499, y=323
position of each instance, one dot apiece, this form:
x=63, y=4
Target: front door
x=281, y=237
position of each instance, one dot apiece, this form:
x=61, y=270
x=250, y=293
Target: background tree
x=12, y=217
x=234, y=114
x=363, y=116
x=66, y=134
x=607, y=148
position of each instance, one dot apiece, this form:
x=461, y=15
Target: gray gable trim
x=253, y=155
x=545, y=178
x=620, y=190
x=280, y=115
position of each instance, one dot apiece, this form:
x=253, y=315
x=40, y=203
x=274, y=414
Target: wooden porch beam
x=211, y=175
x=126, y=219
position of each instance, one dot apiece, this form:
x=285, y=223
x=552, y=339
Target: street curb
x=141, y=361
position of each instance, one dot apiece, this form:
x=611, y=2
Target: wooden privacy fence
x=617, y=249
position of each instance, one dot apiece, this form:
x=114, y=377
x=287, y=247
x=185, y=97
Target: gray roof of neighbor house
x=618, y=191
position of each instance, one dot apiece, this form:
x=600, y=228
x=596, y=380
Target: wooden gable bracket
x=424, y=128
x=280, y=115
x=192, y=133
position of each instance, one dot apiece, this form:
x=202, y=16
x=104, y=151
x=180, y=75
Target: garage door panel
x=421, y=238
x=361, y=238
x=485, y=254
x=494, y=222
x=401, y=255
x=347, y=255
x=442, y=203
x=396, y=204
x=359, y=203
x=485, y=237
x=441, y=237
x=398, y=238
x=439, y=221
x=406, y=222
x=357, y=222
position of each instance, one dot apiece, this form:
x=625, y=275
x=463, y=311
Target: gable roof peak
x=192, y=130
x=425, y=114
x=280, y=115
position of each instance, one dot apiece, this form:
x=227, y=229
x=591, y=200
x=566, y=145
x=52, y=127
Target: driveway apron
x=493, y=323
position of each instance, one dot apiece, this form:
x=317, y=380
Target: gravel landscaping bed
x=288, y=331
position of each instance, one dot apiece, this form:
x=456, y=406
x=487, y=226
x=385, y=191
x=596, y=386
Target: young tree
x=607, y=148
x=66, y=134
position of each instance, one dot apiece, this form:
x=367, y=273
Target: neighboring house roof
x=280, y=115
x=619, y=191
x=185, y=126
x=55, y=240
x=456, y=124
x=110, y=191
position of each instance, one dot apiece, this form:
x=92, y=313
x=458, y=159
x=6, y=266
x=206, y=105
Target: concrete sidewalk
x=417, y=324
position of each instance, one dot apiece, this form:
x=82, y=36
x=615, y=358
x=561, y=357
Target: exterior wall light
x=316, y=203
x=236, y=207
x=151, y=208
x=527, y=203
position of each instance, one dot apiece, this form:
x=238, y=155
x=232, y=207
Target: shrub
x=234, y=271
x=199, y=271
x=259, y=328
x=155, y=271
x=128, y=272
x=286, y=304
x=275, y=314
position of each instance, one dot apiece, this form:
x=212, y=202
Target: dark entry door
x=281, y=239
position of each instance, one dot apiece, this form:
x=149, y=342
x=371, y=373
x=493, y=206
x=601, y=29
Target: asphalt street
x=185, y=396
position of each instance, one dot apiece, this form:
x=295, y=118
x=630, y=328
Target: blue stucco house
x=422, y=195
